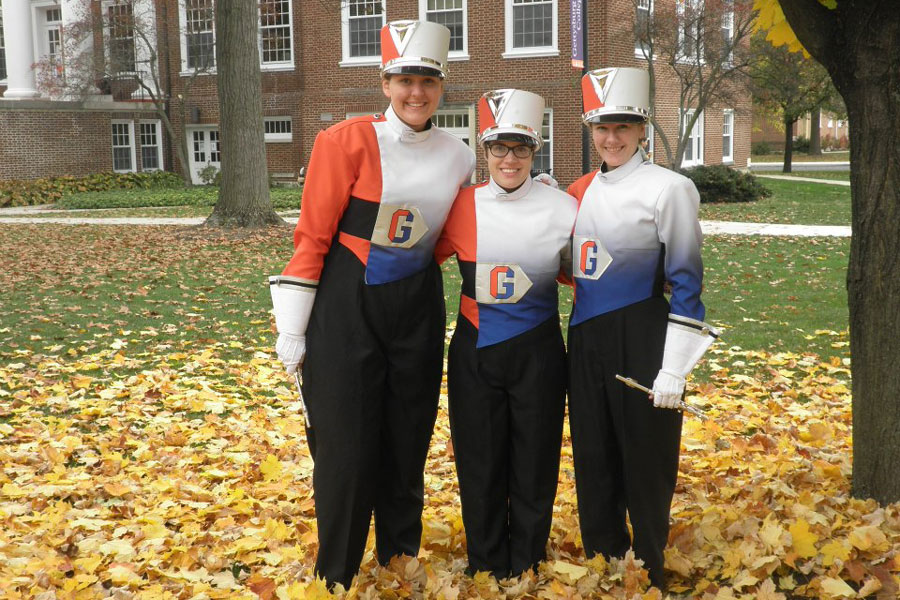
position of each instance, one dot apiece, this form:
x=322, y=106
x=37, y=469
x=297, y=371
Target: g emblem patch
x=398, y=226
x=591, y=258
x=500, y=284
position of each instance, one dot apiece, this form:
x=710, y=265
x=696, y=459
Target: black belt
x=359, y=218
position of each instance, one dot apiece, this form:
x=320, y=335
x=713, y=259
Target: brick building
x=320, y=64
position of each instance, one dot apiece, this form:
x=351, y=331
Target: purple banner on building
x=577, y=11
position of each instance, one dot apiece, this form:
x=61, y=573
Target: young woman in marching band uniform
x=636, y=229
x=360, y=305
x=506, y=366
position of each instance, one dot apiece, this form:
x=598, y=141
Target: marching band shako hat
x=417, y=47
x=617, y=95
x=510, y=112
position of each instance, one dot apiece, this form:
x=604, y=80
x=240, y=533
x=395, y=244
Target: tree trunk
x=857, y=44
x=788, y=143
x=815, y=134
x=244, y=188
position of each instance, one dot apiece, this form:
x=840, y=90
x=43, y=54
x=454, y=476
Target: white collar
x=404, y=132
x=519, y=192
x=622, y=171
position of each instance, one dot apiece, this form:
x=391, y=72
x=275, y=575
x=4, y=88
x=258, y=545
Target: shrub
x=761, y=148
x=718, y=183
x=209, y=174
x=25, y=192
x=801, y=144
x=282, y=198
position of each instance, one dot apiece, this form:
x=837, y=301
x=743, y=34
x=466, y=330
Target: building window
x=531, y=27
x=121, y=38
x=453, y=15
x=214, y=154
x=276, y=39
x=199, y=143
x=647, y=143
x=52, y=42
x=122, y=146
x=151, y=149
x=643, y=15
x=728, y=28
x=728, y=135
x=361, y=21
x=543, y=158
x=689, y=43
x=455, y=121
x=693, y=150
x=199, y=37
x=2, y=47
x=277, y=129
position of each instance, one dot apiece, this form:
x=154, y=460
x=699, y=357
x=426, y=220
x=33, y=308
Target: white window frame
x=159, y=139
x=278, y=136
x=548, y=139
x=2, y=46
x=281, y=65
x=650, y=134
x=695, y=139
x=680, y=32
x=41, y=28
x=458, y=132
x=728, y=25
x=639, y=50
x=356, y=61
x=511, y=52
x=453, y=54
x=728, y=126
x=131, y=144
x=182, y=26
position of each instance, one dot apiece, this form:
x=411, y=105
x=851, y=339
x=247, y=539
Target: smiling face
x=510, y=171
x=616, y=142
x=414, y=98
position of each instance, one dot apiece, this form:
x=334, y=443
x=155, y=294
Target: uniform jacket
x=636, y=229
x=510, y=248
x=384, y=189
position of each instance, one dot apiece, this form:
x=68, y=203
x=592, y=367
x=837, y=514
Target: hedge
x=25, y=192
x=718, y=183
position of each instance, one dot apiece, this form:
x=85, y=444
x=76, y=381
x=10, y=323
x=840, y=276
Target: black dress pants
x=507, y=403
x=372, y=380
x=625, y=450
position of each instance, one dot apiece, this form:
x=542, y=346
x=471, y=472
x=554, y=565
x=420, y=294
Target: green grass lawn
x=835, y=175
x=800, y=203
x=283, y=198
x=75, y=290
x=142, y=212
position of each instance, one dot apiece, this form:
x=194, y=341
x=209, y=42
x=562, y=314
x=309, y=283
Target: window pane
x=532, y=24
x=543, y=158
x=199, y=38
x=275, y=22
x=452, y=20
x=121, y=37
x=121, y=143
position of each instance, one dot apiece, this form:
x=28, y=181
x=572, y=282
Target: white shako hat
x=416, y=47
x=510, y=113
x=617, y=95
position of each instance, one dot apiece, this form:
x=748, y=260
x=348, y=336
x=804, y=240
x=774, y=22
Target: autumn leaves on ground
x=150, y=447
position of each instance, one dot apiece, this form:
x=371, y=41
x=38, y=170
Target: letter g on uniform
x=401, y=226
x=503, y=282
x=588, y=261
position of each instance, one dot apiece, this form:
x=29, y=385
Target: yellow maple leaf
x=270, y=468
x=802, y=539
x=571, y=573
x=869, y=538
x=834, y=550
x=837, y=588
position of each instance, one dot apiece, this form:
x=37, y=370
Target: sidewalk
x=708, y=227
x=804, y=179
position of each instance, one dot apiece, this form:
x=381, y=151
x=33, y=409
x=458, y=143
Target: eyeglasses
x=501, y=150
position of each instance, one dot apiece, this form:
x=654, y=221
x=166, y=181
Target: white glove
x=291, y=350
x=547, y=179
x=667, y=389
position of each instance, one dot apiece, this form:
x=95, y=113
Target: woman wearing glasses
x=506, y=366
x=360, y=305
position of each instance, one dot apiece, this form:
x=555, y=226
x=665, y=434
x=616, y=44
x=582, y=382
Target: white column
x=17, y=30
